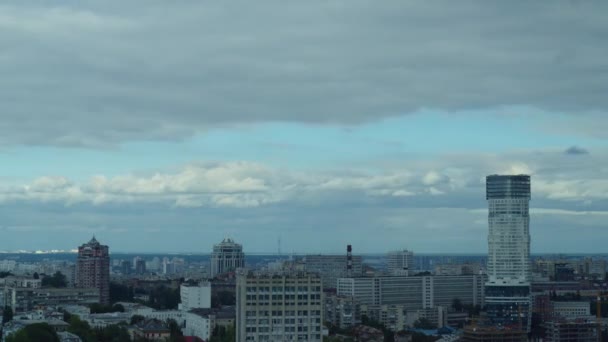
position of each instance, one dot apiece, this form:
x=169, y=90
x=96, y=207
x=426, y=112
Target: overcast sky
x=164, y=126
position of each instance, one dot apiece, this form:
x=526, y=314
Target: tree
x=34, y=333
x=5, y=274
x=119, y=293
x=36, y=276
x=457, y=304
x=136, y=319
x=57, y=280
x=423, y=323
x=7, y=314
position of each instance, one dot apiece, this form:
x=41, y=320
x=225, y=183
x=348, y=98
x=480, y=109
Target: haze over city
x=167, y=128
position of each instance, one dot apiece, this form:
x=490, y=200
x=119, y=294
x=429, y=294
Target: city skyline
x=351, y=124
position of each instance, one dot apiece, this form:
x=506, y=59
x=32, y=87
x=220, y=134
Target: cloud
x=103, y=73
x=575, y=150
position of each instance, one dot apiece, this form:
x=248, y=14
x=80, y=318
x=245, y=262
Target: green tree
x=119, y=292
x=136, y=319
x=457, y=304
x=5, y=274
x=7, y=314
x=39, y=332
x=423, y=323
x=57, y=280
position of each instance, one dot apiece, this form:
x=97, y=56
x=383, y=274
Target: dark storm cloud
x=575, y=150
x=101, y=73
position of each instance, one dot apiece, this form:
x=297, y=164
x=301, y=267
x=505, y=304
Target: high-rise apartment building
x=400, y=262
x=227, y=256
x=508, y=268
x=278, y=306
x=93, y=269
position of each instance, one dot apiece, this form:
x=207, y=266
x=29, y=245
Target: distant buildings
x=508, y=268
x=93, y=269
x=400, y=262
x=278, y=307
x=332, y=267
x=227, y=256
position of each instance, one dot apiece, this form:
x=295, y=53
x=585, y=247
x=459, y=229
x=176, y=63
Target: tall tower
x=400, y=262
x=93, y=269
x=227, y=256
x=508, y=286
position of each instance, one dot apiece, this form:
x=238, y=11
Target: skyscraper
x=93, y=269
x=227, y=256
x=508, y=286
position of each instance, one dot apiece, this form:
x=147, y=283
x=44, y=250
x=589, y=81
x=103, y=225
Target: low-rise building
x=195, y=296
x=152, y=330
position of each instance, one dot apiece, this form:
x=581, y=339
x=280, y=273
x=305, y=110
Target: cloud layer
x=96, y=73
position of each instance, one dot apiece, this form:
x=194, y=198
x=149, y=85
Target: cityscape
x=290, y=171
x=507, y=295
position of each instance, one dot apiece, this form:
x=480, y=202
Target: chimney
x=349, y=261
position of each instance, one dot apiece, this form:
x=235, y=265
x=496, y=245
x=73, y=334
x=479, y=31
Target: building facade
x=195, y=296
x=415, y=293
x=332, y=267
x=227, y=256
x=93, y=269
x=400, y=262
x=508, y=268
x=278, y=307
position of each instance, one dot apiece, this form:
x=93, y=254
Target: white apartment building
x=278, y=307
x=571, y=310
x=195, y=296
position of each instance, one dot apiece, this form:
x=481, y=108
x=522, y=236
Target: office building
x=195, y=296
x=24, y=299
x=332, y=267
x=227, y=256
x=278, y=306
x=420, y=292
x=93, y=269
x=508, y=268
x=400, y=262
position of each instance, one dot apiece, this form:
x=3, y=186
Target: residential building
x=93, y=269
x=508, y=267
x=227, y=256
x=152, y=330
x=278, y=306
x=195, y=296
x=22, y=299
x=341, y=311
x=332, y=267
x=400, y=262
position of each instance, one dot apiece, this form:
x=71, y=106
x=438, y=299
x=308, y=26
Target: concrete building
x=570, y=310
x=420, y=292
x=400, y=262
x=227, y=256
x=195, y=296
x=93, y=269
x=278, y=307
x=508, y=268
x=22, y=299
x=578, y=330
x=332, y=267
x=341, y=311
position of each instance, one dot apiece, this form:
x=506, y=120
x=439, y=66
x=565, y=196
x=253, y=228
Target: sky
x=166, y=127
